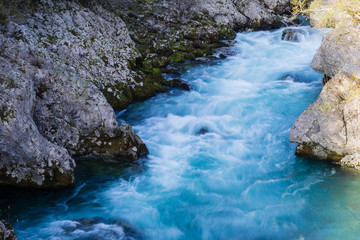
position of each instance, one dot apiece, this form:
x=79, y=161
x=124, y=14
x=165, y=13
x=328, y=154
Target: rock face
x=329, y=128
x=351, y=161
x=6, y=231
x=186, y=29
x=26, y=157
x=339, y=51
x=54, y=70
x=261, y=15
x=292, y=35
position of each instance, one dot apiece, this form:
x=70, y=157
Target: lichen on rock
x=329, y=127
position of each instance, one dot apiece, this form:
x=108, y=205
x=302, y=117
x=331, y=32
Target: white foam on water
x=220, y=163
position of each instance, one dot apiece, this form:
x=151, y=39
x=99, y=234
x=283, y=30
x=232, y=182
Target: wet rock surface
x=99, y=228
x=178, y=83
x=351, y=161
x=292, y=35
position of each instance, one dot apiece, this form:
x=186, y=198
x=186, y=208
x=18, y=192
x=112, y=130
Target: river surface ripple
x=221, y=165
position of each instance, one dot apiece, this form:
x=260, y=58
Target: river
x=220, y=165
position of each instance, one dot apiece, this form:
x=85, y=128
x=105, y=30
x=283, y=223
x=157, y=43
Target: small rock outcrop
x=261, y=15
x=278, y=6
x=292, y=35
x=100, y=228
x=339, y=51
x=6, y=231
x=351, y=161
x=329, y=128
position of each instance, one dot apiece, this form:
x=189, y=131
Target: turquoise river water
x=220, y=165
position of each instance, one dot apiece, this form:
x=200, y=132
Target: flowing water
x=221, y=165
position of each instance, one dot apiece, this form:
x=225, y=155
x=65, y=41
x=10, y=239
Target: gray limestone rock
x=53, y=72
x=6, y=231
x=26, y=157
x=351, y=161
x=279, y=6
x=259, y=16
x=339, y=50
x=224, y=12
x=329, y=128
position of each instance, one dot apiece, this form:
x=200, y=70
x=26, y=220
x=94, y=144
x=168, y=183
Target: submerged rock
x=6, y=231
x=222, y=56
x=100, y=228
x=330, y=127
x=351, y=161
x=178, y=83
x=203, y=131
x=292, y=35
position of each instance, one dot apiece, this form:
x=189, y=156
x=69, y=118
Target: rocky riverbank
x=66, y=65
x=6, y=231
x=330, y=127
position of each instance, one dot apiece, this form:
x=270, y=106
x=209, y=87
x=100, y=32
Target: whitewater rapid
x=220, y=165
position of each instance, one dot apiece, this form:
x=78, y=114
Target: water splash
x=221, y=165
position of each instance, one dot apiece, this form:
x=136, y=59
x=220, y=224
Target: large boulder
x=26, y=158
x=279, y=6
x=223, y=12
x=6, y=231
x=339, y=51
x=261, y=14
x=55, y=68
x=330, y=127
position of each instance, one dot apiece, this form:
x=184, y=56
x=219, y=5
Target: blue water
x=221, y=165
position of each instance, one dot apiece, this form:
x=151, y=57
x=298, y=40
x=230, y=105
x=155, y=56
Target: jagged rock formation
x=6, y=231
x=292, y=35
x=54, y=69
x=330, y=127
